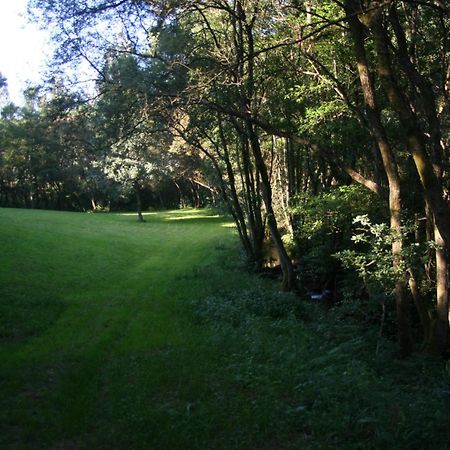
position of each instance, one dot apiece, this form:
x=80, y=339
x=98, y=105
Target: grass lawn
x=116, y=334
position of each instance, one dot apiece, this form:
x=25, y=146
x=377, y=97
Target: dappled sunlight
x=192, y=216
x=229, y=225
x=181, y=216
x=175, y=214
x=135, y=214
x=188, y=214
x=186, y=211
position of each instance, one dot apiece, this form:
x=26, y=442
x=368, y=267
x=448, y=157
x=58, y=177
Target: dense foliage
x=276, y=110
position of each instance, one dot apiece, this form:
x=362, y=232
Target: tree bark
x=440, y=326
x=251, y=251
x=428, y=167
x=390, y=167
x=137, y=192
x=414, y=138
x=288, y=282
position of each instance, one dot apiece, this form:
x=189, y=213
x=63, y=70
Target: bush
x=324, y=227
x=236, y=308
x=319, y=382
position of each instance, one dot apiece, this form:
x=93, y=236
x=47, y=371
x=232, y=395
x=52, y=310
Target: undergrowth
x=313, y=379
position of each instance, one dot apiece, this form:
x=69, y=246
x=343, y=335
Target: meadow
x=116, y=334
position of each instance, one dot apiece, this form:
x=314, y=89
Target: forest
x=321, y=127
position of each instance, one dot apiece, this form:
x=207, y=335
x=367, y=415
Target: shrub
x=237, y=307
x=324, y=227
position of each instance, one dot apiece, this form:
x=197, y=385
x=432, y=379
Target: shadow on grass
x=26, y=314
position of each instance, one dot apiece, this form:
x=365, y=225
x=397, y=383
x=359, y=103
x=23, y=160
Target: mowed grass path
x=121, y=335
x=95, y=350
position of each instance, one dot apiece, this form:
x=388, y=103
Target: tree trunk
x=254, y=211
x=138, y=202
x=423, y=95
x=288, y=282
x=415, y=140
x=250, y=250
x=429, y=173
x=252, y=196
x=440, y=326
x=390, y=167
x=421, y=307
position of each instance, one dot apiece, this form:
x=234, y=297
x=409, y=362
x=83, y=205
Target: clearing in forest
x=116, y=334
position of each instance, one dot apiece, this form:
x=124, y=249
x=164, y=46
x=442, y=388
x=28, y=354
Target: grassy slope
x=100, y=350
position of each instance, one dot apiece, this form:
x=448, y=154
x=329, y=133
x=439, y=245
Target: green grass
x=121, y=335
